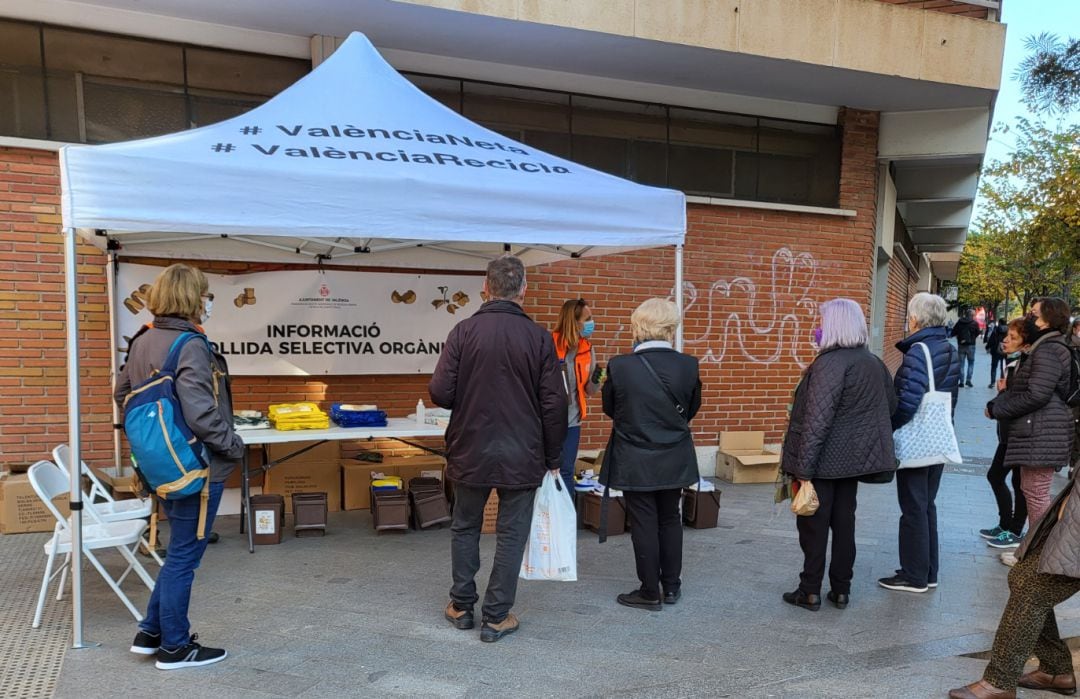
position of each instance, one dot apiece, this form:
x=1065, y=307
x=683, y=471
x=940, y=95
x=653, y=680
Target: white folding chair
x=108, y=508
x=49, y=481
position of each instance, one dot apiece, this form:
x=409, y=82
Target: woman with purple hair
x=839, y=432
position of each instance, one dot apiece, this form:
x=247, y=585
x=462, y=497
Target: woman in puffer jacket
x=1048, y=568
x=916, y=488
x=839, y=431
x=1040, y=421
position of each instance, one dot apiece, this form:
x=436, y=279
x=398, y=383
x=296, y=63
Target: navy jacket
x=912, y=380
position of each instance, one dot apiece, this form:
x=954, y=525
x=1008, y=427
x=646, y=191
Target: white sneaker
x=1008, y=558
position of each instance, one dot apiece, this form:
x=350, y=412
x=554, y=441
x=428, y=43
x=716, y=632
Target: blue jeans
x=569, y=457
x=967, y=359
x=167, y=613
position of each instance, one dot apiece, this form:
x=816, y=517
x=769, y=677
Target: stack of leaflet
x=298, y=416
x=587, y=481
x=382, y=484
x=349, y=415
x=249, y=420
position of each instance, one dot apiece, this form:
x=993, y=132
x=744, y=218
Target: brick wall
x=755, y=279
x=33, y=374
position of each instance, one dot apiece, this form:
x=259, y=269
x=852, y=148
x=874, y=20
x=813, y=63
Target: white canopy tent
x=351, y=165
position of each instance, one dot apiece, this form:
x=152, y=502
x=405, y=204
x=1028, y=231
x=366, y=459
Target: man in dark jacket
x=966, y=331
x=500, y=376
x=994, y=337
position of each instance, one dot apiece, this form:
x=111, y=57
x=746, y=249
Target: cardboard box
x=491, y=513
x=743, y=458
x=20, y=509
x=122, y=487
x=587, y=463
x=255, y=462
x=327, y=452
x=306, y=477
x=356, y=483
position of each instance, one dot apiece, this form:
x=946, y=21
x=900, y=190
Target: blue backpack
x=167, y=456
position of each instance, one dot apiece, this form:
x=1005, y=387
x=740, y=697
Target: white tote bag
x=551, y=551
x=928, y=438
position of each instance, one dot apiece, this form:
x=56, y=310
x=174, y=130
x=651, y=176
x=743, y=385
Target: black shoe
x=638, y=600
x=672, y=596
x=839, y=599
x=145, y=643
x=968, y=384
x=460, y=618
x=191, y=655
x=213, y=538
x=801, y=599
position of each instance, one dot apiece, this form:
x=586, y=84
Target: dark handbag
x=880, y=477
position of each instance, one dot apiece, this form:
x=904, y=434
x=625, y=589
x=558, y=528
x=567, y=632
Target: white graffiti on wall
x=757, y=325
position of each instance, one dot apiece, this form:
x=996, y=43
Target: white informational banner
x=313, y=322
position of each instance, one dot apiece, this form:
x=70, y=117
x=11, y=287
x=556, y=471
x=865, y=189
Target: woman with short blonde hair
x=178, y=291
x=651, y=396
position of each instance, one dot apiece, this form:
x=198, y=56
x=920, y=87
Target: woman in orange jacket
x=580, y=372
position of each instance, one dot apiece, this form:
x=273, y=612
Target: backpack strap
x=173, y=358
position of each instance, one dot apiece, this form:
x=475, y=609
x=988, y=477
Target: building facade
x=827, y=147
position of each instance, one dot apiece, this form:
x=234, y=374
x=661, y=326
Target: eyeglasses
x=209, y=296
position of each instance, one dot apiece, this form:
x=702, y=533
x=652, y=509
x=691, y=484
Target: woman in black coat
x=651, y=396
x=1040, y=431
x=840, y=430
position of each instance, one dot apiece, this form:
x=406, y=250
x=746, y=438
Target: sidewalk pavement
x=360, y=614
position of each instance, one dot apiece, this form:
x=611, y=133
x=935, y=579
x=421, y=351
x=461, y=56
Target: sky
x=1023, y=19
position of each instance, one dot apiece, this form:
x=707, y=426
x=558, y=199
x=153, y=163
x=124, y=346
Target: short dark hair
x=1055, y=312
x=1002, y=321
x=506, y=277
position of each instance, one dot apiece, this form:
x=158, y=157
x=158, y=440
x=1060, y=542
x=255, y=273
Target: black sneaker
x=145, y=643
x=191, y=655
x=898, y=582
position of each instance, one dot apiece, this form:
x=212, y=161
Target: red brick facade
x=756, y=278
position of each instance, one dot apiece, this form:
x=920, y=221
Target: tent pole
x=114, y=370
x=679, y=295
x=71, y=301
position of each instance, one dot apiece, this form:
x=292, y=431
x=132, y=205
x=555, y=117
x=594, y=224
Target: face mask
x=1031, y=328
x=208, y=306
x=587, y=328
x=817, y=336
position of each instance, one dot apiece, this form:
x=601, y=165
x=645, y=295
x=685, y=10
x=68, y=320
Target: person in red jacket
x=499, y=375
x=581, y=375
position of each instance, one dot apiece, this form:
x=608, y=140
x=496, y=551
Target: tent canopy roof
x=355, y=164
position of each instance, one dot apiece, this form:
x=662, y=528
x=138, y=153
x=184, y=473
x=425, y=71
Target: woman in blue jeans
x=180, y=300
x=580, y=374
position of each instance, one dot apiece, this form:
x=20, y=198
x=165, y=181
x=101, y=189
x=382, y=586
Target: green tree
x=1028, y=233
x=1050, y=74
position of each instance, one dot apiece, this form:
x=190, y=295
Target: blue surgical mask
x=587, y=328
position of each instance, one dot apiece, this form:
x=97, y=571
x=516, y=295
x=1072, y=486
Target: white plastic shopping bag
x=551, y=551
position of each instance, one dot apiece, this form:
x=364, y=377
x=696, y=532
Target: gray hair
x=927, y=309
x=843, y=324
x=506, y=278
x=655, y=319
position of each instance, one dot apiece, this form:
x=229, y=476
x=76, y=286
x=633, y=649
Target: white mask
x=208, y=306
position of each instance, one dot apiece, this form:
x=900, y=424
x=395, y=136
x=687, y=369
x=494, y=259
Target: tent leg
x=679, y=295
x=71, y=302
x=114, y=370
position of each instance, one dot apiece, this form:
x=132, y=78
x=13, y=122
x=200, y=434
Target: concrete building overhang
x=933, y=76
